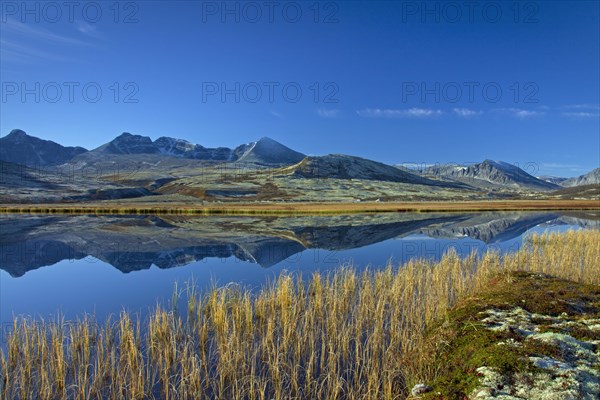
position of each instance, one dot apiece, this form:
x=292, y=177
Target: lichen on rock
x=571, y=371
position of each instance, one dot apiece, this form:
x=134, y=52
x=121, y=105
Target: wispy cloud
x=574, y=168
x=24, y=31
x=87, y=29
x=519, y=112
x=581, y=114
x=328, y=113
x=416, y=166
x=581, y=111
x=466, y=112
x=24, y=43
x=276, y=114
x=15, y=51
x=399, y=113
x=583, y=107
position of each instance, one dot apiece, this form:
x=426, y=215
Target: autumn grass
x=344, y=335
x=291, y=208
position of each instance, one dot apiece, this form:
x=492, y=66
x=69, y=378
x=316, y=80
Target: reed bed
x=298, y=208
x=343, y=335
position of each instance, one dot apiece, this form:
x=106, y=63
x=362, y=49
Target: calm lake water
x=102, y=265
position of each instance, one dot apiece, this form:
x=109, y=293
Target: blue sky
x=398, y=82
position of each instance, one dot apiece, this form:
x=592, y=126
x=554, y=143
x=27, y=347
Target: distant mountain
x=264, y=151
x=491, y=172
x=268, y=151
x=18, y=147
x=591, y=178
x=557, y=180
x=349, y=167
x=126, y=143
x=182, y=148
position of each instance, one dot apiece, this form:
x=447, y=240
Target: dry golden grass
x=285, y=208
x=346, y=335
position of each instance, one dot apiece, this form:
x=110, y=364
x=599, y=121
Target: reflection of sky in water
x=92, y=286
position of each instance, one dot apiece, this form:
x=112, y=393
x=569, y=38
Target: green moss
x=461, y=343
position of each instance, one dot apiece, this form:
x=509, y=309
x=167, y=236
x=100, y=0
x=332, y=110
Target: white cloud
x=276, y=114
x=413, y=165
x=398, y=113
x=519, y=112
x=563, y=167
x=581, y=111
x=558, y=165
x=87, y=29
x=328, y=113
x=24, y=31
x=18, y=52
x=581, y=114
x=466, y=112
x=583, y=107
x=26, y=43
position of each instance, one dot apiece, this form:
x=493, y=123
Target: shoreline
x=299, y=208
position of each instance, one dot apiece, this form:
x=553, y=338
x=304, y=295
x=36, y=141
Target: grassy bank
x=347, y=335
x=287, y=208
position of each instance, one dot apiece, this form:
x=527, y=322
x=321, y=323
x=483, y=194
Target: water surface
x=101, y=265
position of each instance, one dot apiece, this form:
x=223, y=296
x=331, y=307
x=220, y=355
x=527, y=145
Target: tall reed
x=344, y=335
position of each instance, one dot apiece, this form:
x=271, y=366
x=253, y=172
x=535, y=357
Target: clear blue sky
x=378, y=68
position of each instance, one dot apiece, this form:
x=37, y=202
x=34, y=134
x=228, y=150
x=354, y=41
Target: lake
x=101, y=265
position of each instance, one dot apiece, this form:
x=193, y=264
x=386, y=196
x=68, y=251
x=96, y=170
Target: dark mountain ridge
x=20, y=148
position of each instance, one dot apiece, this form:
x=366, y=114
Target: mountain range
x=264, y=151
x=591, y=178
x=492, y=172
x=134, y=166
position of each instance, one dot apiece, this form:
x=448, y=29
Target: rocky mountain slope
x=18, y=147
x=268, y=151
x=491, y=172
x=591, y=178
x=557, y=180
x=184, y=149
x=349, y=167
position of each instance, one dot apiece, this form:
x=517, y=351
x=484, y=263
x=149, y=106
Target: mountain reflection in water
x=132, y=243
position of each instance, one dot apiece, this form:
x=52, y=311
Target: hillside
x=494, y=173
x=349, y=167
x=591, y=178
x=18, y=147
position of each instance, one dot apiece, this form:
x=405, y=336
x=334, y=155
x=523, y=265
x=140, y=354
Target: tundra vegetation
x=329, y=336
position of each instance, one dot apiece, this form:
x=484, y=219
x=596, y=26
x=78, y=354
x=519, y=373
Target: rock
x=420, y=388
x=568, y=372
x=485, y=393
